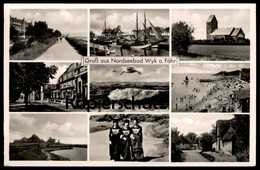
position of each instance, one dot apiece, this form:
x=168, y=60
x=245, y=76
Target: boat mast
x=137, y=26
x=105, y=25
x=145, y=26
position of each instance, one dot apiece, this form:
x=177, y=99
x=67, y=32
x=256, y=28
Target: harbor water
x=116, y=51
x=75, y=154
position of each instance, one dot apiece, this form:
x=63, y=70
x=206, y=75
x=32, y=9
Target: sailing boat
x=138, y=44
x=161, y=41
x=105, y=39
x=186, y=79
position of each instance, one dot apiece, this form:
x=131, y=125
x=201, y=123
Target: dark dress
x=114, y=147
x=137, y=142
x=126, y=147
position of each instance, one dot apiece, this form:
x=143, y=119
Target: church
x=228, y=33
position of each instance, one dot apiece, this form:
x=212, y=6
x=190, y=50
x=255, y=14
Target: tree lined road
x=60, y=51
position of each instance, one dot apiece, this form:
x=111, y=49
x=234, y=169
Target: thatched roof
x=229, y=134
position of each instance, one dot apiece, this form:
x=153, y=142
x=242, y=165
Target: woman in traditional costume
x=137, y=140
x=126, y=147
x=114, y=141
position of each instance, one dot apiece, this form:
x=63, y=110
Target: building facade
x=20, y=25
x=74, y=81
x=224, y=137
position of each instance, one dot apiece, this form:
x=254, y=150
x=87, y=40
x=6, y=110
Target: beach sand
x=217, y=97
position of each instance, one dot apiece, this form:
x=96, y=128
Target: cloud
x=15, y=135
x=112, y=73
x=67, y=129
x=126, y=19
x=196, y=123
x=21, y=120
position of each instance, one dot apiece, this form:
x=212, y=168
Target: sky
x=126, y=18
x=67, y=21
x=150, y=73
x=207, y=68
x=68, y=128
x=62, y=67
x=197, y=123
x=226, y=18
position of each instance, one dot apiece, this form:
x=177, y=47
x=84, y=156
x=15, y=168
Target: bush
x=30, y=41
x=18, y=46
x=181, y=37
x=243, y=156
x=176, y=154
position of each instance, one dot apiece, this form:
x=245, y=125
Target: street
x=193, y=156
x=60, y=51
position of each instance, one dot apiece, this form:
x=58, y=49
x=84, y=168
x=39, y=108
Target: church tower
x=212, y=24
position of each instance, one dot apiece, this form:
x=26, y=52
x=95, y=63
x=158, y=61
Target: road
x=60, y=51
x=99, y=145
x=193, y=156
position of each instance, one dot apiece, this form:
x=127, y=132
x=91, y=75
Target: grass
x=99, y=126
x=29, y=154
x=34, y=51
x=218, y=52
x=79, y=44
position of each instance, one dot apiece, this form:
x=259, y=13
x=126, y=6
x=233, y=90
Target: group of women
x=125, y=144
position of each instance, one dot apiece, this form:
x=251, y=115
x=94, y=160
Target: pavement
x=43, y=106
x=193, y=156
x=60, y=51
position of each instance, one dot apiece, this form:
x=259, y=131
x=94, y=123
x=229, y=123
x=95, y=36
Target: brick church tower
x=212, y=24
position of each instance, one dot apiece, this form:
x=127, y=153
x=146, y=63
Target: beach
x=212, y=95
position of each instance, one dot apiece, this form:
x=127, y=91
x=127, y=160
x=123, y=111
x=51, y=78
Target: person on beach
x=137, y=140
x=126, y=146
x=114, y=141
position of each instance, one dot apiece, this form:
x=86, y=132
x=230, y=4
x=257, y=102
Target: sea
x=75, y=154
x=189, y=93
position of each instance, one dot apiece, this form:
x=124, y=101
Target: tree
x=57, y=33
x=206, y=141
x=40, y=30
x=175, y=150
x=13, y=34
x=29, y=30
x=181, y=37
x=28, y=77
x=241, y=125
x=192, y=136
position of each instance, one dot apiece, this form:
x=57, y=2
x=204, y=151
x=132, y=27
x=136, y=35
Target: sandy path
x=193, y=156
x=99, y=144
x=60, y=51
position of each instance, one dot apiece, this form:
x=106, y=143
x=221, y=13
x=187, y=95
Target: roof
x=229, y=134
x=222, y=127
x=211, y=17
x=236, y=32
x=223, y=31
x=186, y=140
x=241, y=94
